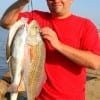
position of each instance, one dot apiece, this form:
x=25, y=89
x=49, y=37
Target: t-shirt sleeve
x=29, y=15
x=90, y=38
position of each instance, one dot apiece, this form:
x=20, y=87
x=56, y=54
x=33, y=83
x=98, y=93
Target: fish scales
x=26, y=53
x=33, y=77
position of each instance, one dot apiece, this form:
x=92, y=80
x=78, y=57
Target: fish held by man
x=26, y=57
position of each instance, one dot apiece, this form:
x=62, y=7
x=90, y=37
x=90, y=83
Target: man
x=72, y=44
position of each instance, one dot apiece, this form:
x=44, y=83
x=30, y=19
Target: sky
x=86, y=8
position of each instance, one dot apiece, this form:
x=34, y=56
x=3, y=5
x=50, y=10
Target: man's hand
x=51, y=36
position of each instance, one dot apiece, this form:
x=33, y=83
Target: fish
x=26, y=56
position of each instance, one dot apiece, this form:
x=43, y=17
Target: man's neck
x=58, y=16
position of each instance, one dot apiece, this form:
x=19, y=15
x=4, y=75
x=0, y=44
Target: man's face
x=59, y=7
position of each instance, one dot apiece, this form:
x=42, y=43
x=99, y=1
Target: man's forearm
x=11, y=15
x=82, y=57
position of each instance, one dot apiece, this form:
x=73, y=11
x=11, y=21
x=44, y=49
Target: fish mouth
x=34, y=36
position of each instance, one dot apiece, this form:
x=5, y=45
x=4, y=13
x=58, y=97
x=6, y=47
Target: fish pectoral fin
x=31, y=52
x=8, y=60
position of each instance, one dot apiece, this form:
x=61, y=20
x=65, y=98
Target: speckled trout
x=26, y=57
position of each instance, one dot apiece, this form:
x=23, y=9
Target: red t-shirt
x=65, y=79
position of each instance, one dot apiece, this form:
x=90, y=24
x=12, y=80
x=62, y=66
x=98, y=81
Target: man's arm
x=85, y=58
x=11, y=14
x=81, y=57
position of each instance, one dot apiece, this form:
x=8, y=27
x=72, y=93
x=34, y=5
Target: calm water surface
x=3, y=39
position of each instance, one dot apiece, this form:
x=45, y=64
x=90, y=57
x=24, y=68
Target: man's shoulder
x=78, y=17
x=82, y=19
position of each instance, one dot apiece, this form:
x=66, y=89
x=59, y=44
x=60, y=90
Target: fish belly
x=34, y=70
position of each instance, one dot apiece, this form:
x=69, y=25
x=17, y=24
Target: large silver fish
x=26, y=57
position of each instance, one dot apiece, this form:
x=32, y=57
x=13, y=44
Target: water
x=3, y=40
